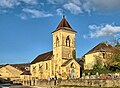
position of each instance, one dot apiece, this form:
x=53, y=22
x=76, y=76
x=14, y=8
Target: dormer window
x=27, y=68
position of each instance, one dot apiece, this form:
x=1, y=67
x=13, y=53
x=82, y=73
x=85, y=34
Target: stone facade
x=59, y=62
x=40, y=70
x=100, y=52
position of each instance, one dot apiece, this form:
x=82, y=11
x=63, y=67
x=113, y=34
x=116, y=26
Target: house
x=102, y=50
x=25, y=78
x=12, y=71
x=59, y=62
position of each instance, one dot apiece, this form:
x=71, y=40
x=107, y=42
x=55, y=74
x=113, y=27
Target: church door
x=72, y=73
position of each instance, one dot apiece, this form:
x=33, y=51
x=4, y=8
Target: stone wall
x=80, y=82
x=91, y=82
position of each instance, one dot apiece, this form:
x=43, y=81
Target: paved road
x=25, y=87
x=17, y=86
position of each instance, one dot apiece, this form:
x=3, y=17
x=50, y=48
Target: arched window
x=103, y=55
x=57, y=42
x=72, y=65
x=46, y=66
x=68, y=41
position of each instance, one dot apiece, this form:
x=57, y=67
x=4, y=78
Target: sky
x=26, y=26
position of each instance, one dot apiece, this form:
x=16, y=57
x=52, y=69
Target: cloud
x=102, y=31
x=71, y=5
x=35, y=13
x=56, y=1
x=32, y=2
x=101, y=5
x=59, y=11
x=73, y=8
x=12, y=3
x=79, y=6
x=8, y=3
x=77, y=2
x=22, y=16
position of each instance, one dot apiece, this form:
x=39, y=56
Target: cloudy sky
x=26, y=25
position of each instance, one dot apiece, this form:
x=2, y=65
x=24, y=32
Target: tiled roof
x=64, y=25
x=43, y=57
x=26, y=73
x=81, y=63
x=21, y=66
x=101, y=47
x=66, y=63
x=1, y=66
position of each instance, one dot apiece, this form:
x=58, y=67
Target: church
x=59, y=62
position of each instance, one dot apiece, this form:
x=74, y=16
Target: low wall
x=91, y=82
x=80, y=82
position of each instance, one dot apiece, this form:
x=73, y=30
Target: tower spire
x=63, y=16
x=64, y=24
x=63, y=13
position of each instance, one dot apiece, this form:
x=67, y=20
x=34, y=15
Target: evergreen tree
x=74, y=54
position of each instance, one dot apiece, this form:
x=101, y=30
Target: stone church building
x=59, y=62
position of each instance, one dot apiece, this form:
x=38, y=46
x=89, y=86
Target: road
x=18, y=86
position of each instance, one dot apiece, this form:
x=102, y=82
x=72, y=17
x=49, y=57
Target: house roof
x=66, y=63
x=43, y=57
x=1, y=66
x=64, y=25
x=101, y=47
x=26, y=73
x=81, y=63
x=21, y=67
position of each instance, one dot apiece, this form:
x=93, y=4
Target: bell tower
x=63, y=42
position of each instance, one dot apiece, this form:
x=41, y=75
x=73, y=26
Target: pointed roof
x=64, y=25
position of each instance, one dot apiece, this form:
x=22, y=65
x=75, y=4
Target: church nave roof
x=43, y=57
